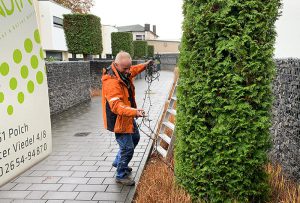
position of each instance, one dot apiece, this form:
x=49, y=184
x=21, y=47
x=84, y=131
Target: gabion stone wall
x=286, y=117
x=69, y=84
x=169, y=61
x=96, y=72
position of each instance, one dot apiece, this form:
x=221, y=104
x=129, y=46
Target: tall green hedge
x=140, y=49
x=121, y=41
x=83, y=33
x=150, y=51
x=224, y=99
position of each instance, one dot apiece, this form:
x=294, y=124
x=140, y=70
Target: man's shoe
x=125, y=181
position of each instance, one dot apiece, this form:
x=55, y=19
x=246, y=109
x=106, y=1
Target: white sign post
x=25, y=128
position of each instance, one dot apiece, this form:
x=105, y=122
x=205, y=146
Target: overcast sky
x=165, y=14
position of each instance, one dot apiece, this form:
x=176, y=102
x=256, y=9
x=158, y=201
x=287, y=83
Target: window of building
x=140, y=37
x=94, y=56
x=57, y=56
x=57, y=22
x=109, y=56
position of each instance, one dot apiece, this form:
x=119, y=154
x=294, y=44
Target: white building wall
x=149, y=36
x=53, y=38
x=288, y=30
x=106, y=39
x=58, y=39
x=134, y=34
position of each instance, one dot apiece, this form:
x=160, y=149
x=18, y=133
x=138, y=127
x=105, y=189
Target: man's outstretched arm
x=137, y=69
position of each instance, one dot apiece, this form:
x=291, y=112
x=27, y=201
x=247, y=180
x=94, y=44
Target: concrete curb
x=146, y=156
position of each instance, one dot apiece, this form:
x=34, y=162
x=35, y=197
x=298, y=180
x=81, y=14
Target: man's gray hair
x=121, y=55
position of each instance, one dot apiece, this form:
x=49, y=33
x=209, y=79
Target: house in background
x=106, y=40
x=139, y=32
x=165, y=46
x=145, y=33
x=50, y=23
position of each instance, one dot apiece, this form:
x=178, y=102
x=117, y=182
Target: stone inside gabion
x=286, y=117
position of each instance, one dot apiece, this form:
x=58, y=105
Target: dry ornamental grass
x=157, y=185
x=282, y=189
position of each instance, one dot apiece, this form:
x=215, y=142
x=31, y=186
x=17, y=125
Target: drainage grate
x=84, y=134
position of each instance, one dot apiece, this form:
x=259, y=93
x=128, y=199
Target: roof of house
x=131, y=28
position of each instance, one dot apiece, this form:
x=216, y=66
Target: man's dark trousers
x=127, y=143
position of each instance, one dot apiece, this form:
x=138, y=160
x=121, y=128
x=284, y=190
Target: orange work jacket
x=118, y=110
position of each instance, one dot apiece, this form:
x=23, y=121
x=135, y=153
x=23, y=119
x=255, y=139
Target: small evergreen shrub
x=150, y=51
x=83, y=33
x=140, y=49
x=121, y=41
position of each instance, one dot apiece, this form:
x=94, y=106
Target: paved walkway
x=79, y=169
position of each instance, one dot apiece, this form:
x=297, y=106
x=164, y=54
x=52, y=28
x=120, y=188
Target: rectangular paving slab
x=80, y=168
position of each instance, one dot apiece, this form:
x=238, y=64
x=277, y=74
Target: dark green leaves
x=224, y=99
x=140, y=49
x=83, y=33
x=121, y=41
x=150, y=51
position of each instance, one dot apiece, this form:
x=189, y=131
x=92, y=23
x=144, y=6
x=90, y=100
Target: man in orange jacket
x=119, y=110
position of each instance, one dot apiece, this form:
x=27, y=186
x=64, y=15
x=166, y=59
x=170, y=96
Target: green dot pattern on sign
x=13, y=83
x=41, y=53
x=30, y=86
x=4, y=69
x=17, y=56
x=28, y=45
x=39, y=77
x=34, y=62
x=10, y=110
x=37, y=36
x=24, y=72
x=21, y=97
x=1, y=97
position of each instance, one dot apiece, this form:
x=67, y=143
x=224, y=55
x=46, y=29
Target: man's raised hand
x=149, y=62
x=140, y=113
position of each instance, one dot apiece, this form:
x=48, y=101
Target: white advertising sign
x=25, y=128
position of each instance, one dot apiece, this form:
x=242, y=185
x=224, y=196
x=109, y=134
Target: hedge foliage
x=121, y=41
x=140, y=49
x=150, y=51
x=83, y=33
x=224, y=99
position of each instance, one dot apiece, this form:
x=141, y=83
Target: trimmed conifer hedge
x=121, y=41
x=225, y=98
x=140, y=49
x=83, y=33
x=150, y=51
